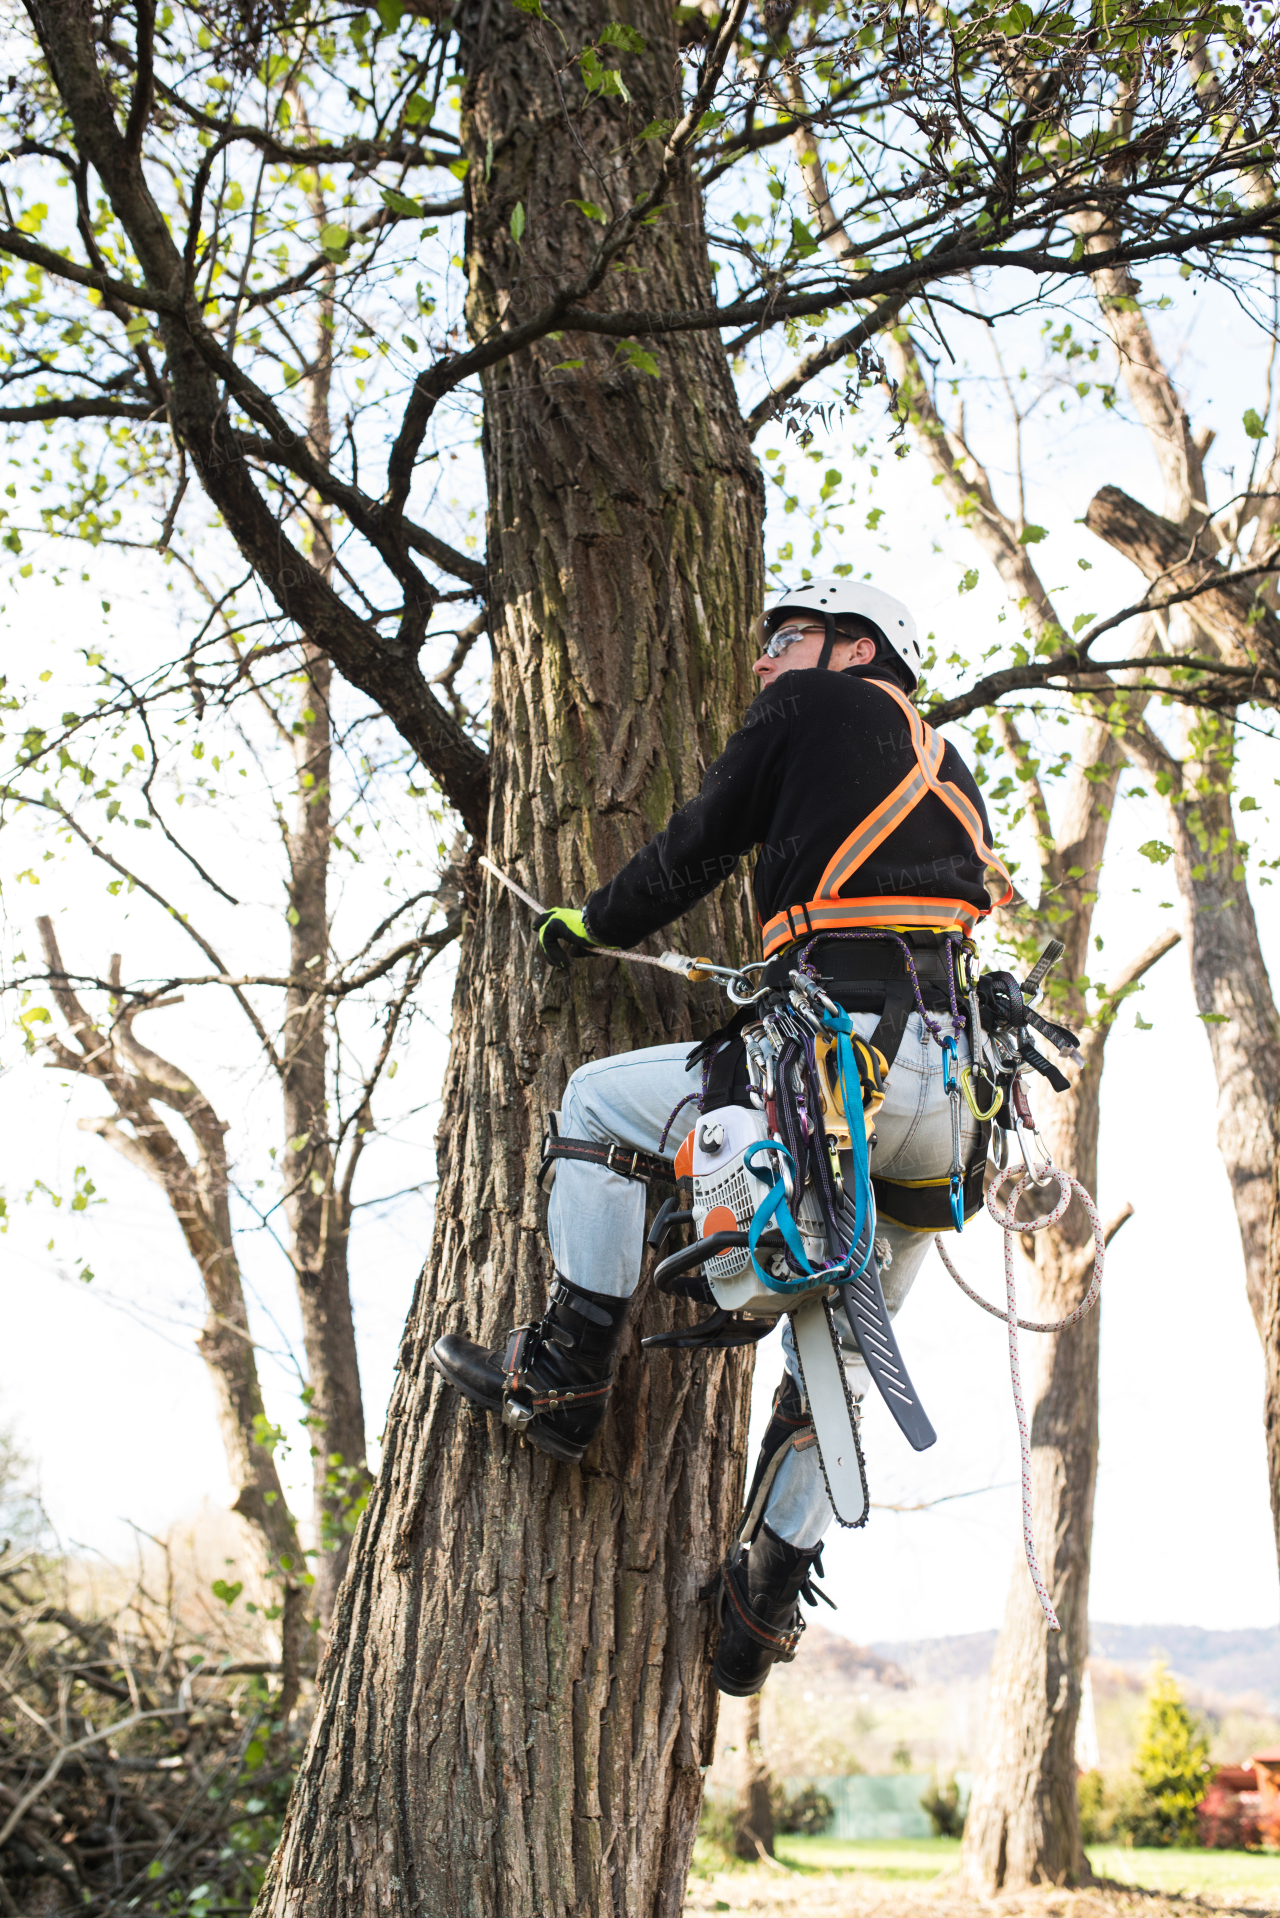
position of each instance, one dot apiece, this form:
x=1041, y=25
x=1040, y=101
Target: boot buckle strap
x=516, y=1356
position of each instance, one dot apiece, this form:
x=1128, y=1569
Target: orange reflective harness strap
x=828, y=912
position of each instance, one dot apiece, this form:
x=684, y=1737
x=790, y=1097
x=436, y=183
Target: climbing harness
x=809, y=1241
x=827, y=912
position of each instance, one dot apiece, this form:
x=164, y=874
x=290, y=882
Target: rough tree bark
x=514, y=1709
x=137, y=1080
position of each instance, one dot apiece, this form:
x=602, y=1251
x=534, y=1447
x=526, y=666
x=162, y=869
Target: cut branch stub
x=1229, y=610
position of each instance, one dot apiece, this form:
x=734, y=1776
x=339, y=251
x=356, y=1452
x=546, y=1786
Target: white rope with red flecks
x=1067, y=1183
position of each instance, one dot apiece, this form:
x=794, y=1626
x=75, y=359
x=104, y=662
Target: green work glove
x=562, y=935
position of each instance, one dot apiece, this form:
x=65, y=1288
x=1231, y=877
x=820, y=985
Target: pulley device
x=775, y=1182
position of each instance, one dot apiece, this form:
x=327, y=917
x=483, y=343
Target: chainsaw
x=777, y=1190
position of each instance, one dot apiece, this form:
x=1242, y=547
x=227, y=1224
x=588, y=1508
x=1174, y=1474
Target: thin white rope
x=1067, y=1184
x=669, y=961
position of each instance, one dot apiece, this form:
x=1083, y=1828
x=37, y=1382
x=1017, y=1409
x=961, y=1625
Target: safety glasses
x=777, y=643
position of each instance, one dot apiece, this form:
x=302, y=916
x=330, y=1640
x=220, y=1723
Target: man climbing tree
x=517, y=1640
x=863, y=820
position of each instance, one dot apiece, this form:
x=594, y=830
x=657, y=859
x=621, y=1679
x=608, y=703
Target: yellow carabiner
x=966, y=1086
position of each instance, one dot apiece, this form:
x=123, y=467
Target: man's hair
x=851, y=626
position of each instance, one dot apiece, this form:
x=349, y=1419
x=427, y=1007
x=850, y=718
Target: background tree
x=1189, y=754
x=303, y=1029
x=1172, y=1767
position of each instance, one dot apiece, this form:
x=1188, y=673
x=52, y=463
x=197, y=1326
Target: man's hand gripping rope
x=1067, y=1184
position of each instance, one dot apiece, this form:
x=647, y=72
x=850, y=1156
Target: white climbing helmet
x=850, y=598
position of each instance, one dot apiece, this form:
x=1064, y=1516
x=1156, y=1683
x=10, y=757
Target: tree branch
x=1225, y=606
x=88, y=409
x=1139, y=967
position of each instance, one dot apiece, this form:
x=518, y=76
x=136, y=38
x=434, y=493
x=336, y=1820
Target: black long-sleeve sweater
x=815, y=755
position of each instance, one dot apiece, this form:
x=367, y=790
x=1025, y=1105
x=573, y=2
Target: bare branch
x=1139, y=967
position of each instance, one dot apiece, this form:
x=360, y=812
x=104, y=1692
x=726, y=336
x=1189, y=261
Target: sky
x=105, y=1391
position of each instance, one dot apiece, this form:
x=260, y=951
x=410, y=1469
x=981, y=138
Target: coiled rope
x=1067, y=1184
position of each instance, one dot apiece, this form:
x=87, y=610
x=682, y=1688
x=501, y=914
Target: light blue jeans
x=595, y=1220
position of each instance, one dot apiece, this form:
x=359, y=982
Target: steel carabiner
x=966, y=1086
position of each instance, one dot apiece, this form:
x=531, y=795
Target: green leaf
x=1032, y=535
x=658, y=130
x=642, y=361
x=530, y=6
x=227, y=1593
x=417, y=107
x=969, y=581
x=616, y=34
x=568, y=366
x=334, y=241
x=1253, y=426
x=390, y=12
x=1249, y=805
x=592, y=211
x=1141, y=1024
x=517, y=221
x=459, y=169
x=1156, y=851
x=1215, y=1018
x=401, y=203
x=802, y=240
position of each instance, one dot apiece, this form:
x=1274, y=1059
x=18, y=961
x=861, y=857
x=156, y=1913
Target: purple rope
x=958, y=1020
x=690, y=1099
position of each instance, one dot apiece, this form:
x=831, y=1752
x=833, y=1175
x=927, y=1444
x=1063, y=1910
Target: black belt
x=628, y=1161
x=849, y=961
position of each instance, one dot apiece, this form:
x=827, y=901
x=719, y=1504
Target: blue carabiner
x=774, y=1207
x=950, y=1065
x=957, y=1201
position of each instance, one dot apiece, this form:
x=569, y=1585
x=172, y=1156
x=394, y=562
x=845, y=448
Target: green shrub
x=943, y=1806
x=1172, y=1768
x=1110, y=1804
x=810, y=1811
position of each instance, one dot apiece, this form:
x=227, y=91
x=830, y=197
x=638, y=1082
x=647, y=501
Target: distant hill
x=1233, y=1664
x=1237, y=1664
x=827, y=1659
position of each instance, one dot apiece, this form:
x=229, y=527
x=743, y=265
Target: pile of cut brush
x=144, y=1761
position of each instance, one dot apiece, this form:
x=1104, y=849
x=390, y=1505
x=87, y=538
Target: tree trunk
x=317, y=1222
x=1023, y=1824
x=753, y=1831
x=1234, y=998
x=137, y=1080
x=515, y=1706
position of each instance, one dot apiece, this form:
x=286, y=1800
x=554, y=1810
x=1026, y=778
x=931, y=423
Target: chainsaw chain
x=854, y=1409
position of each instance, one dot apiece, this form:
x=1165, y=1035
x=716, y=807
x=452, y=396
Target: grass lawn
x=1221, y=1873
x=919, y=1858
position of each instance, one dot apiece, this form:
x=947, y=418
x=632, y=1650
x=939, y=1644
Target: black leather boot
x=792, y=1421
x=759, y=1613
x=551, y=1381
